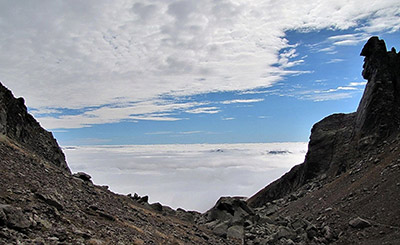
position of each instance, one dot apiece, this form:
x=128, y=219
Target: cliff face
x=19, y=126
x=378, y=113
x=338, y=141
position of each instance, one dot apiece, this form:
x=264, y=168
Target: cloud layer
x=188, y=176
x=108, y=60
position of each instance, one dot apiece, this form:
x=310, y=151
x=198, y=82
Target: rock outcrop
x=19, y=126
x=338, y=141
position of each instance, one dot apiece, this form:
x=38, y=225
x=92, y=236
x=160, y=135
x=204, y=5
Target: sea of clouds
x=190, y=176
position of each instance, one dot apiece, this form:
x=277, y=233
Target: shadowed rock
x=18, y=125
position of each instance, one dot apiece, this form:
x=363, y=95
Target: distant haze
x=189, y=176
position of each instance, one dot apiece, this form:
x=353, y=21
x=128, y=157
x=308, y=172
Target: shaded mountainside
x=347, y=190
x=338, y=141
x=19, y=126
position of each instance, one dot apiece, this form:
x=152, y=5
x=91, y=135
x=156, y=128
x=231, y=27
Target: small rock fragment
x=359, y=223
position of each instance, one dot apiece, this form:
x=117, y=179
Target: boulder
x=284, y=232
x=13, y=217
x=235, y=232
x=83, y=176
x=221, y=229
x=359, y=223
x=229, y=208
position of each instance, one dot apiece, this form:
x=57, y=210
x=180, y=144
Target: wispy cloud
x=159, y=133
x=338, y=93
x=190, y=132
x=357, y=84
x=227, y=102
x=349, y=39
x=204, y=110
x=336, y=89
x=319, y=97
x=334, y=61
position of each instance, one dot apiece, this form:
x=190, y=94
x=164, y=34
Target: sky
x=189, y=176
x=188, y=71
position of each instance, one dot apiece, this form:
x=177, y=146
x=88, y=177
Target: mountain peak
x=378, y=114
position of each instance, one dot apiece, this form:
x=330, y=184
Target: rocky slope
x=41, y=202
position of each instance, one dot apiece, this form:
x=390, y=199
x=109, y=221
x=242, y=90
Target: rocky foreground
x=347, y=191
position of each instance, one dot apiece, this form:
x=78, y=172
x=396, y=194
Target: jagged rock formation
x=20, y=127
x=338, y=141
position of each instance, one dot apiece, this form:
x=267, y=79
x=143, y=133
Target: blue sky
x=163, y=72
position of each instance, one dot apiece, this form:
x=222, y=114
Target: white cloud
x=317, y=96
x=227, y=102
x=334, y=61
x=354, y=84
x=155, y=110
x=159, y=133
x=205, y=110
x=329, y=49
x=341, y=92
x=76, y=55
x=336, y=89
x=170, y=174
x=190, y=132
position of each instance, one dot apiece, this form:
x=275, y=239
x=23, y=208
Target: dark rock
x=144, y=199
x=106, y=216
x=13, y=217
x=18, y=125
x=156, y=206
x=284, y=232
x=235, y=232
x=227, y=207
x=359, y=223
x=312, y=231
x=221, y=229
x=50, y=200
x=328, y=233
x=83, y=176
x=378, y=112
